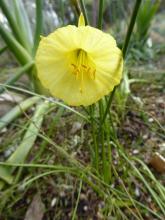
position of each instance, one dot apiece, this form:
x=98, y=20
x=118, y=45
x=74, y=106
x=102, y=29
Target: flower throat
x=83, y=66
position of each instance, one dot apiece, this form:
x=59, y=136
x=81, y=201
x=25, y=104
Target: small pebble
x=85, y=208
x=137, y=192
x=21, y=188
x=135, y=151
x=160, y=100
x=149, y=199
x=62, y=194
x=115, y=162
x=149, y=42
x=162, y=147
x=7, y=153
x=3, y=130
x=76, y=140
x=145, y=136
x=150, y=120
x=101, y=205
x=83, y=196
x=100, y=216
x=75, y=127
x=53, y=202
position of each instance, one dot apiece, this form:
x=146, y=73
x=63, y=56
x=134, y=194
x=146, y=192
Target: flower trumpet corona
x=80, y=64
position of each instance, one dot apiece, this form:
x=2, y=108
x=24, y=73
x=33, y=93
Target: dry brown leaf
x=158, y=162
x=8, y=101
x=36, y=209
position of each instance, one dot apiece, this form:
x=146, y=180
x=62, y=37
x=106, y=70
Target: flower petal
x=58, y=71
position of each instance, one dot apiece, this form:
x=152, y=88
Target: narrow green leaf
x=145, y=16
x=23, y=23
x=5, y=175
x=13, y=24
x=131, y=26
x=39, y=24
x=77, y=201
x=29, y=138
x=83, y=8
x=20, y=53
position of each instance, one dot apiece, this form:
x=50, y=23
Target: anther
x=94, y=73
x=88, y=70
x=83, y=66
x=74, y=65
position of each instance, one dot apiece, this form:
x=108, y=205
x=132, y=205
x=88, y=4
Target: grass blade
x=3, y=49
x=47, y=99
x=160, y=188
x=77, y=201
x=17, y=110
x=23, y=23
x=154, y=195
x=17, y=75
x=100, y=19
x=145, y=16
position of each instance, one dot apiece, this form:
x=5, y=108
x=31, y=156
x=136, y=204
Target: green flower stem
x=109, y=156
x=96, y=150
x=100, y=19
x=131, y=26
x=102, y=132
x=125, y=47
x=62, y=11
x=108, y=105
x=17, y=110
x=17, y=75
x=82, y=5
x=101, y=139
x=104, y=160
x=39, y=24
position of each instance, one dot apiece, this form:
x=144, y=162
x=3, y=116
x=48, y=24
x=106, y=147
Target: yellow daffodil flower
x=80, y=64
